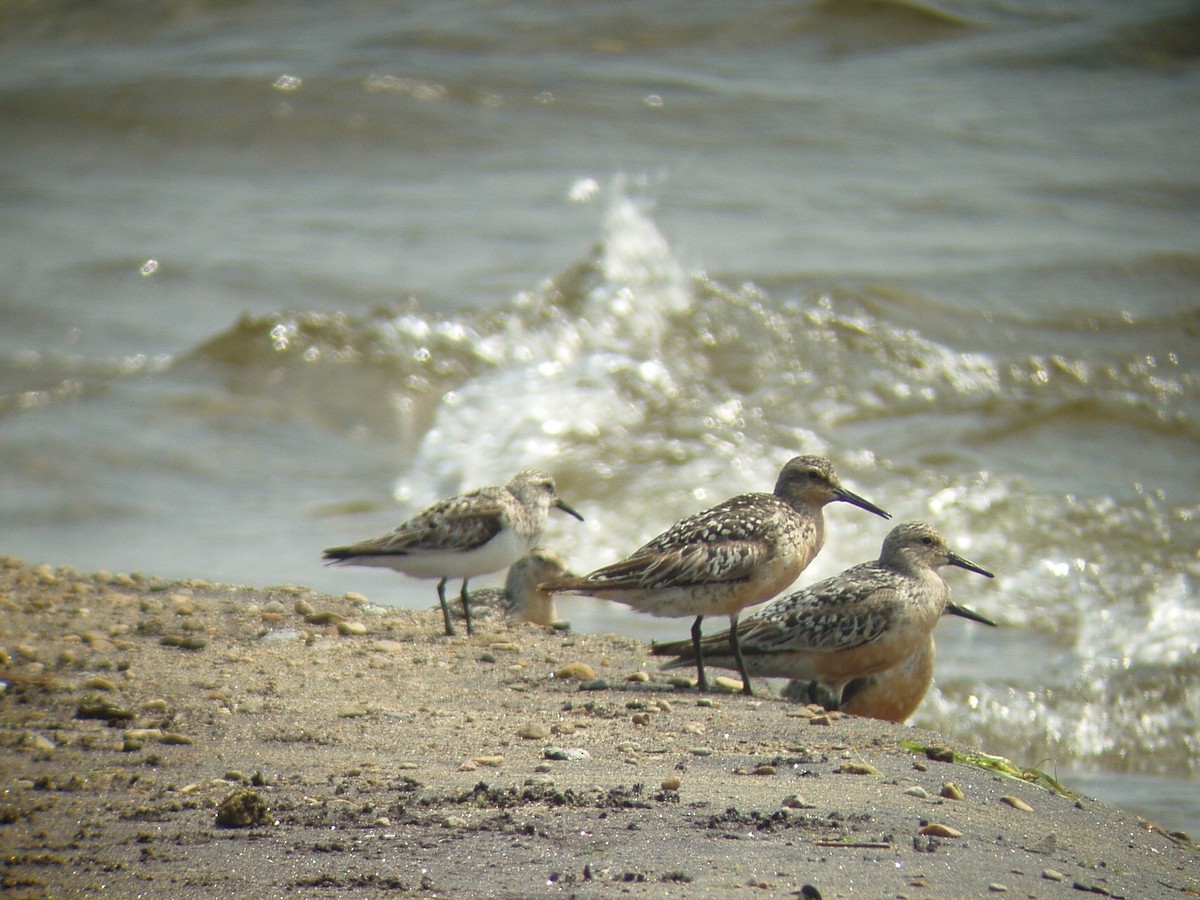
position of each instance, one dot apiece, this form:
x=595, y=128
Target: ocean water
x=276, y=276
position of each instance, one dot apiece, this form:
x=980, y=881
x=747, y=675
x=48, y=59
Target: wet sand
x=187, y=739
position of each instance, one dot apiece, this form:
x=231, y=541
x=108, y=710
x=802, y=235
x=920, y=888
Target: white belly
x=499, y=553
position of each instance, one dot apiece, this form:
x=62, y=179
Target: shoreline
x=186, y=738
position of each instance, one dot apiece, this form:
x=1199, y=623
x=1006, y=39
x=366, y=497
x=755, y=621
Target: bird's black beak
x=963, y=563
x=851, y=497
x=568, y=509
x=954, y=609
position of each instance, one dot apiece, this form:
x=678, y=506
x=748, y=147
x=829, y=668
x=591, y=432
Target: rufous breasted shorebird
x=861, y=622
x=719, y=561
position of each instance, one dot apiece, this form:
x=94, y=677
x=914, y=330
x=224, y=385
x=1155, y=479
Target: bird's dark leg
x=701, y=680
x=736, y=644
x=466, y=607
x=445, y=607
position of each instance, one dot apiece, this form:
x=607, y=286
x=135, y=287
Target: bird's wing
x=454, y=525
x=741, y=518
x=825, y=626
x=681, y=566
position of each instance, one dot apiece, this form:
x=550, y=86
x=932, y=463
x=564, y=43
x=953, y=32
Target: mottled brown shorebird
x=522, y=598
x=476, y=533
x=721, y=560
x=862, y=622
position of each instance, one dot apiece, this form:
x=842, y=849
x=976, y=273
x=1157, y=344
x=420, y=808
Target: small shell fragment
x=937, y=829
x=1017, y=803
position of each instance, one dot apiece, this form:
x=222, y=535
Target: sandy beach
x=188, y=739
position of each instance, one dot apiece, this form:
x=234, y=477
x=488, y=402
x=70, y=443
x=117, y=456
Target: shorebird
x=476, y=533
x=893, y=694
x=861, y=622
x=522, y=598
x=721, y=560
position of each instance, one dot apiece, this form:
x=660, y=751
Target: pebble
x=952, y=791
x=143, y=734
x=99, y=683
x=45, y=574
x=1017, y=803
x=797, y=801
x=641, y=718
x=351, y=628
x=493, y=761
x=533, y=732
x=596, y=684
x=185, y=642
x=765, y=770
x=859, y=768
x=702, y=751
x=539, y=781
x=174, y=737
x=638, y=677
x=94, y=707
x=939, y=753
x=822, y=719
x=569, y=754
x=672, y=783
x=302, y=608
x=1053, y=875
x=562, y=728
x=996, y=888
x=917, y=791
x=725, y=683
x=454, y=822
x=682, y=682
x=579, y=671
x=276, y=608
x=323, y=618
x=42, y=744
x=281, y=635
x=693, y=728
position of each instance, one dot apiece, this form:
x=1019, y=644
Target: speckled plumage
x=522, y=598
x=476, y=533
x=721, y=560
x=893, y=694
x=861, y=622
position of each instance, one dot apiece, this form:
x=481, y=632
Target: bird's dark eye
x=927, y=541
